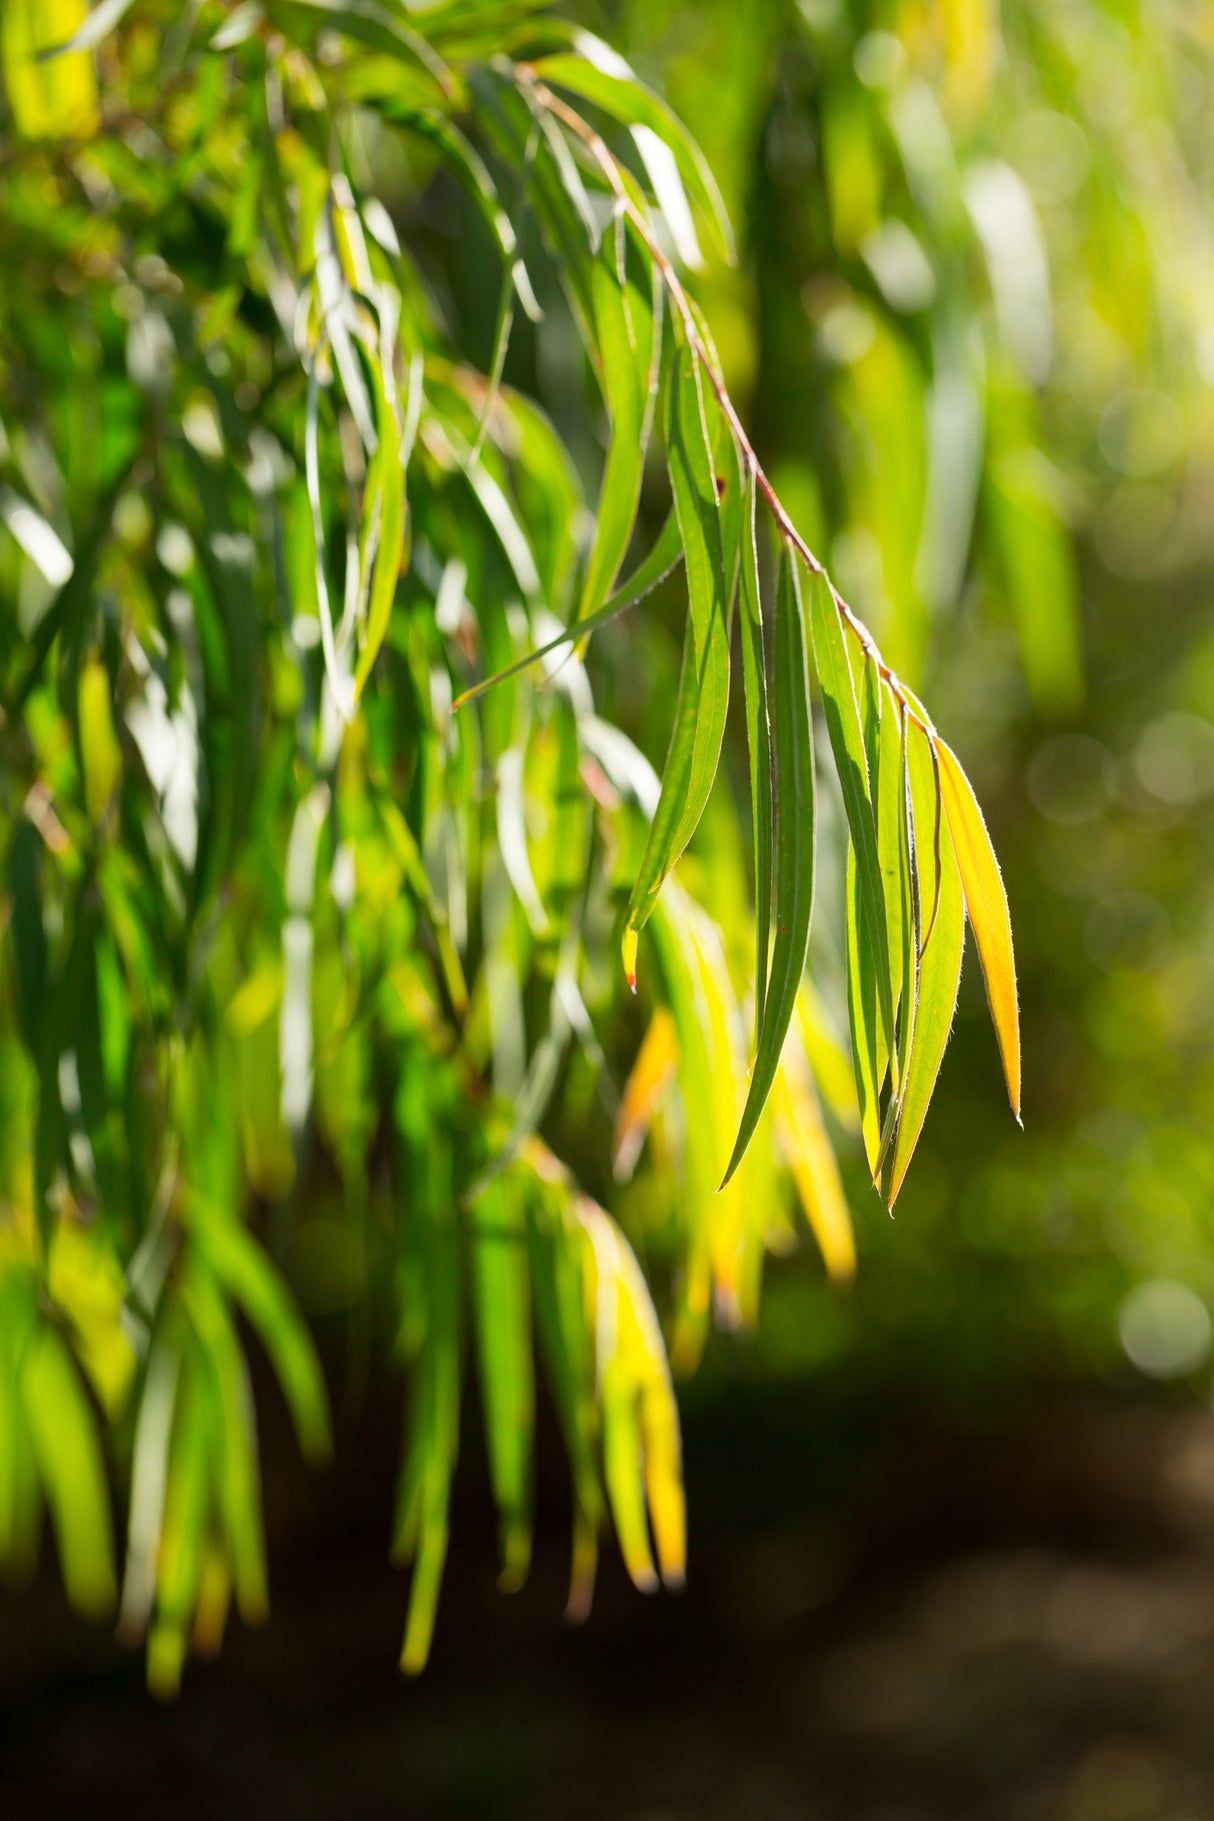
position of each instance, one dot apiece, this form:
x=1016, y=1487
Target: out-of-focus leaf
x=667, y=552
x=230, y=1398
x=794, y=844
x=557, y=1252
x=942, y=919
x=500, y=1281
x=99, y=23
x=986, y=903
x=1035, y=554
x=249, y=1276
x=641, y=1447
x=99, y=747
x=185, y=1516
x=63, y=1431
x=384, y=522
x=812, y=1162
x=655, y=1064
x=51, y=85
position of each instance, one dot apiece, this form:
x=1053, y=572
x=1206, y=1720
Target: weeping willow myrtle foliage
x=318, y=859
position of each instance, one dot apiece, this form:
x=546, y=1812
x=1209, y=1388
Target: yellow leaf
x=986, y=903
x=99, y=746
x=56, y=99
x=812, y=1162
x=652, y=1070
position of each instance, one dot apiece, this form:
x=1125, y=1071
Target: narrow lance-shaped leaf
x=891, y=817
x=940, y=961
x=601, y=76
x=667, y=552
x=851, y=762
x=811, y=1160
x=902, y=847
x=868, y=1050
x=986, y=903
x=625, y=324
x=794, y=845
x=383, y=538
x=758, y=734
x=64, y=1436
x=503, y=1330
x=704, y=686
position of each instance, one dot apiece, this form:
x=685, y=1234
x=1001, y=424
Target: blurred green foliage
x=297, y=1016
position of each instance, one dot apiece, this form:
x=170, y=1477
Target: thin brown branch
x=605, y=160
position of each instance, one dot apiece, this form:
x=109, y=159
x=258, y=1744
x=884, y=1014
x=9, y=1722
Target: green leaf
x=868, y=1049
x=226, y=1381
x=624, y=319
x=557, y=1250
x=891, y=817
x=383, y=539
x=939, y=883
x=758, y=735
x=248, y=1275
x=63, y=1431
x=851, y=762
x=501, y=1290
x=600, y=76
x=703, y=702
x=986, y=903
x=667, y=552
x=185, y=1513
x=794, y=844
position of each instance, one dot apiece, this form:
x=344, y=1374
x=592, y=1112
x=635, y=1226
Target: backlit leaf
x=794, y=844
x=704, y=682
x=940, y=960
x=986, y=903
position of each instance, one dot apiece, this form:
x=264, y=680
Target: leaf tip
x=629, y=950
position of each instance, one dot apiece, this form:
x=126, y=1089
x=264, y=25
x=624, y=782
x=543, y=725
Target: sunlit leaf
x=793, y=885
x=602, y=77
x=704, y=684
x=942, y=921
x=986, y=904
x=848, y=745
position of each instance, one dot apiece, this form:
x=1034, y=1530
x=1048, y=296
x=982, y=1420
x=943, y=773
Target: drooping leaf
x=939, y=883
x=809, y=1155
x=384, y=521
x=655, y=1064
x=868, y=1049
x=501, y=1291
x=624, y=320
x=63, y=1432
x=601, y=76
x=704, y=683
x=794, y=844
x=667, y=552
x=851, y=762
x=986, y=904
x=250, y=1277
x=758, y=733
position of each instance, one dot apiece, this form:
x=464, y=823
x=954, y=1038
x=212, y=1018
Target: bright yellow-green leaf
x=99, y=746
x=986, y=903
x=942, y=921
x=794, y=844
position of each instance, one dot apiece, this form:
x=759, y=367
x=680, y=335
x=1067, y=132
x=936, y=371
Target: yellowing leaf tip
x=629, y=951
